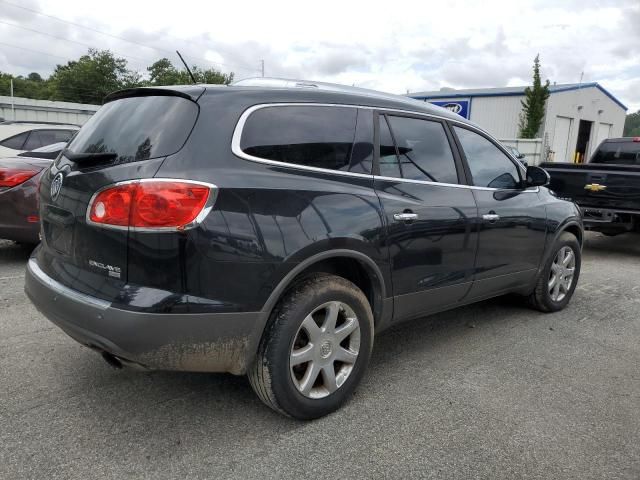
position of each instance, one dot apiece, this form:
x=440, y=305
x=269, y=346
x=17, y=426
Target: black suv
x=272, y=231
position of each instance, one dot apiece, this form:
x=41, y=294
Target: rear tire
x=558, y=279
x=315, y=349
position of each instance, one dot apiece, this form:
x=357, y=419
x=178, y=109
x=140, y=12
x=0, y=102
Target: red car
x=19, y=180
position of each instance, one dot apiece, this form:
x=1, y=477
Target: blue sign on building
x=461, y=107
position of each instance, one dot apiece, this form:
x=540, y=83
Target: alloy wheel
x=325, y=350
x=562, y=272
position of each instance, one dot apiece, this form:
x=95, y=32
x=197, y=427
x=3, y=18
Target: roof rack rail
x=273, y=82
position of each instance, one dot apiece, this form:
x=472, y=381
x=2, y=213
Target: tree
x=632, y=125
x=97, y=73
x=163, y=72
x=34, y=77
x=28, y=87
x=534, y=103
x=90, y=78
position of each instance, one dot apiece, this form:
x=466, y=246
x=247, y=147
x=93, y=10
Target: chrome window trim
x=237, y=135
x=194, y=223
x=237, y=151
x=457, y=185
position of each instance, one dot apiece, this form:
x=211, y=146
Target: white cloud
x=389, y=46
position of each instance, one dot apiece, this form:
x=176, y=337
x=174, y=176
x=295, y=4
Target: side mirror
x=537, y=177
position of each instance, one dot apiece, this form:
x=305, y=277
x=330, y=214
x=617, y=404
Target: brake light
x=636, y=139
x=11, y=177
x=150, y=204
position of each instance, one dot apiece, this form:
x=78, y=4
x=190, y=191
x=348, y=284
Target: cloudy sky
x=391, y=46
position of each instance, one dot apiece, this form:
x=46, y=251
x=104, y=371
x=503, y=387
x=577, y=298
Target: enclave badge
x=56, y=185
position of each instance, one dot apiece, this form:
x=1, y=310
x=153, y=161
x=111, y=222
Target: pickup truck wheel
x=315, y=348
x=559, y=277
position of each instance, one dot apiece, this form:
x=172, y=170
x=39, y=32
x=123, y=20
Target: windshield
x=138, y=128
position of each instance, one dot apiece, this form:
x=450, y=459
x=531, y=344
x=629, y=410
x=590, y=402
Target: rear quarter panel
x=266, y=220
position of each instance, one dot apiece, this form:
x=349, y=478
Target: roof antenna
x=187, y=67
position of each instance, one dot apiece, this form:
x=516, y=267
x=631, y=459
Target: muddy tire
x=315, y=348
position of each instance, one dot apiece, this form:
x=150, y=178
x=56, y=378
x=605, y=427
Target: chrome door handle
x=404, y=217
x=491, y=217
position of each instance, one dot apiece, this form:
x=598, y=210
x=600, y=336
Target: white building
x=578, y=116
x=17, y=108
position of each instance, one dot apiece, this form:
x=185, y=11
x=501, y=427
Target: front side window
x=321, y=137
x=16, y=142
x=489, y=166
x=424, y=150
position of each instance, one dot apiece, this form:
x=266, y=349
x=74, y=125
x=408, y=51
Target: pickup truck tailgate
x=593, y=185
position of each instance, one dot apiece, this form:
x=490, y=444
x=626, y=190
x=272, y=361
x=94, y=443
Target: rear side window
x=620, y=153
x=489, y=166
x=321, y=137
x=138, y=128
x=16, y=142
x=41, y=138
x=423, y=149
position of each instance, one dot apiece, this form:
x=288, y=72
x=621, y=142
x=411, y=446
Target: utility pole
x=262, y=67
x=13, y=108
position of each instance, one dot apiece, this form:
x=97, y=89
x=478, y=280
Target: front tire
x=315, y=348
x=558, y=279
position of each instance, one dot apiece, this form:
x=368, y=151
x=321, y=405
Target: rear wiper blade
x=84, y=156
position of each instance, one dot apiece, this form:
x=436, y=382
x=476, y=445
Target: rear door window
x=620, y=153
x=321, y=137
x=138, y=128
x=423, y=149
x=389, y=166
x=16, y=142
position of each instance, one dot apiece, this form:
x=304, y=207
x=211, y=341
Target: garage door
x=561, y=139
x=604, y=132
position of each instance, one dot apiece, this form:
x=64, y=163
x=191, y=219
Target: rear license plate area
x=58, y=229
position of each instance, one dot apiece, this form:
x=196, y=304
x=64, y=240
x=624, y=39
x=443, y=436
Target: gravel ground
x=489, y=391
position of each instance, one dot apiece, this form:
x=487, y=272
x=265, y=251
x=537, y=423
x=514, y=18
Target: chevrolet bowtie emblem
x=595, y=187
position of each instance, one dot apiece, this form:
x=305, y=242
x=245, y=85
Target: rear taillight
x=10, y=177
x=636, y=139
x=151, y=205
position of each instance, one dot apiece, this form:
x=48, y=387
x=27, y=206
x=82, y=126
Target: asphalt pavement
x=489, y=391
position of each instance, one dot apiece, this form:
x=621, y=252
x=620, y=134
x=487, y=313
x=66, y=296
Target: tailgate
x=136, y=134
x=602, y=186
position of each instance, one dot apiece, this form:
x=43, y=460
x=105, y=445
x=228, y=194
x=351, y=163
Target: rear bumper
x=27, y=233
x=220, y=342
x=595, y=216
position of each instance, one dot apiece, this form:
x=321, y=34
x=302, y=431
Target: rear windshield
x=138, y=128
x=621, y=153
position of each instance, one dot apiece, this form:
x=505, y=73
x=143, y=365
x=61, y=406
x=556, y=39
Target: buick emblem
x=56, y=185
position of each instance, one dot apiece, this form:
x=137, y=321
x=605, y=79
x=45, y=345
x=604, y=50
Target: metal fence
x=532, y=149
x=18, y=108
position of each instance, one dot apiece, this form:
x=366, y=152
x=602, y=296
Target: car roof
x=621, y=140
x=38, y=123
x=281, y=90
